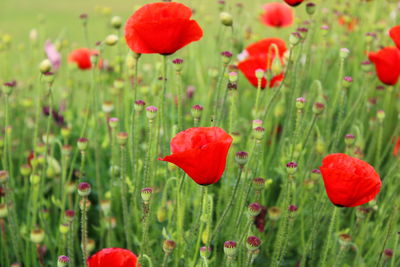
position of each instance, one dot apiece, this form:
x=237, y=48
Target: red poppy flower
x=260, y=55
x=201, y=152
x=396, y=148
x=395, y=35
x=293, y=2
x=349, y=181
x=277, y=15
x=387, y=64
x=161, y=28
x=348, y=22
x=116, y=257
x=81, y=57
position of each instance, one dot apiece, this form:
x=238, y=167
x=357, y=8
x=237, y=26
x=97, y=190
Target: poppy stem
x=203, y=219
x=328, y=242
x=259, y=81
x=228, y=207
x=125, y=212
x=84, y=230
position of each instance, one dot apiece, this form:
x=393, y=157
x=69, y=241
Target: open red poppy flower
x=116, y=257
x=387, y=64
x=293, y=2
x=277, y=15
x=260, y=55
x=349, y=182
x=395, y=35
x=81, y=57
x=201, y=152
x=161, y=28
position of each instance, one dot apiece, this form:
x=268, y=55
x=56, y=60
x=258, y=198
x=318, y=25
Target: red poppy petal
x=387, y=64
x=116, y=257
x=263, y=47
x=158, y=11
x=395, y=35
x=277, y=15
x=294, y=2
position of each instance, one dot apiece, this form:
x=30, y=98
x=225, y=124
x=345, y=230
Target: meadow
x=199, y=133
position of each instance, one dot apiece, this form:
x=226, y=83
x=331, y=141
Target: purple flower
x=53, y=55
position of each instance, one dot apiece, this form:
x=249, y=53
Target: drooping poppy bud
x=349, y=182
x=116, y=257
x=201, y=152
x=161, y=28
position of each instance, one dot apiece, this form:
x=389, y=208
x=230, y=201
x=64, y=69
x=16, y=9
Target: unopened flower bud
x=139, y=105
x=69, y=215
x=259, y=183
x=146, y=194
x=205, y=252
x=226, y=19
x=116, y=22
x=253, y=243
x=111, y=40
x=347, y=81
x=226, y=57
x=241, y=158
x=230, y=248
x=295, y=38
x=260, y=73
x=178, y=63
x=380, y=114
x=113, y=122
x=254, y=209
x=233, y=77
x=62, y=261
x=292, y=208
x=151, y=112
x=84, y=189
x=344, y=240
x=300, y=102
x=318, y=108
x=82, y=143
x=349, y=139
x=64, y=228
x=122, y=138
x=310, y=8
x=291, y=168
x=258, y=133
x=196, y=111
x=37, y=235
x=169, y=246
x=45, y=66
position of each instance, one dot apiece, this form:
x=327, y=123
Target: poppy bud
x=254, y=209
x=233, y=76
x=62, y=261
x=65, y=132
x=178, y=62
x=276, y=67
x=347, y=81
x=259, y=183
x=344, y=240
x=139, y=105
x=291, y=168
x=69, y=215
x=257, y=123
x=259, y=73
x=236, y=138
x=349, y=139
x=303, y=32
x=226, y=57
x=169, y=246
x=292, y=208
x=122, y=138
x=107, y=107
x=230, y=248
x=253, y=243
x=241, y=158
x=300, y=102
x=34, y=179
x=196, y=111
x=274, y=213
x=111, y=40
x=3, y=177
x=45, y=66
x=48, y=77
x=205, y=252
x=226, y=19
x=258, y=133
x=16, y=264
x=161, y=214
x=90, y=245
x=37, y=235
x=146, y=194
x=64, y=228
x=318, y=108
x=388, y=253
x=105, y=206
x=82, y=143
x=294, y=38
x=370, y=37
x=151, y=112
x=310, y=8
x=113, y=122
x=3, y=210
x=380, y=114
x=344, y=53
x=366, y=66
x=84, y=189
x=116, y=22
